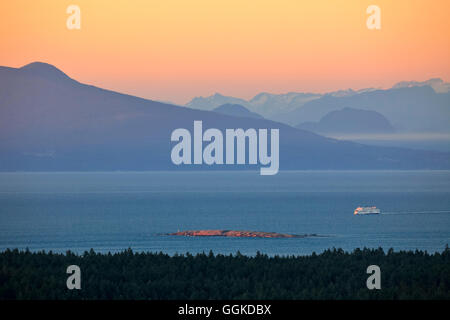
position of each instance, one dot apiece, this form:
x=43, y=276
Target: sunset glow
x=175, y=50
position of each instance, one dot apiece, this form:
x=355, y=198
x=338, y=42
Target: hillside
x=50, y=122
x=409, y=109
x=349, y=121
x=236, y=110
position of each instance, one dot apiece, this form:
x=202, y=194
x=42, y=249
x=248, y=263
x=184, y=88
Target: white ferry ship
x=366, y=210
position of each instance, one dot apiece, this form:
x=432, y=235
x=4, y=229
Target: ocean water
x=119, y=210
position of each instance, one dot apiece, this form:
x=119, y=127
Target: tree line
x=332, y=274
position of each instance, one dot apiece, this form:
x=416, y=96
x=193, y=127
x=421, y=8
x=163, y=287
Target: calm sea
x=115, y=211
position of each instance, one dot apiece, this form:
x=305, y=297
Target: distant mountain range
x=437, y=84
x=236, y=110
x=409, y=109
x=349, y=121
x=265, y=104
x=50, y=122
x=409, y=106
x=268, y=104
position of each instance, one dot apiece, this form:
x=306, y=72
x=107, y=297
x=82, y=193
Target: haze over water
x=116, y=210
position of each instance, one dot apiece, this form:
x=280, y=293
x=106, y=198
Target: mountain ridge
x=349, y=121
x=48, y=125
x=284, y=107
x=414, y=109
x=236, y=110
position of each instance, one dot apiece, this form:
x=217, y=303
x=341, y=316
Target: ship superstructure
x=366, y=210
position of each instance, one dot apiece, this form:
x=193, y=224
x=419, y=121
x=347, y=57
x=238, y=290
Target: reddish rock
x=236, y=233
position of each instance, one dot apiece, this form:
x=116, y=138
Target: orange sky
x=175, y=50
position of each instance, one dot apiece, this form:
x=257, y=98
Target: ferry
x=366, y=210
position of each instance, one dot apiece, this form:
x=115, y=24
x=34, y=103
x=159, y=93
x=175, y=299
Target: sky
x=174, y=50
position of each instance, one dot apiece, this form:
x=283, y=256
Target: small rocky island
x=237, y=233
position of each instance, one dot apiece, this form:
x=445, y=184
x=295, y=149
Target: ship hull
x=366, y=213
x=366, y=210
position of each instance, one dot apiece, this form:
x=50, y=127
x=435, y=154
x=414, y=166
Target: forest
x=332, y=274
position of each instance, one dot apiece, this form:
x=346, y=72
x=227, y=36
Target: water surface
x=116, y=210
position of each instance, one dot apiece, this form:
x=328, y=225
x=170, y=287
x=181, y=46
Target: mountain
x=236, y=110
x=45, y=71
x=409, y=109
x=265, y=104
x=347, y=92
x=404, y=104
x=437, y=84
x=50, y=122
x=349, y=121
x=212, y=102
x=268, y=104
